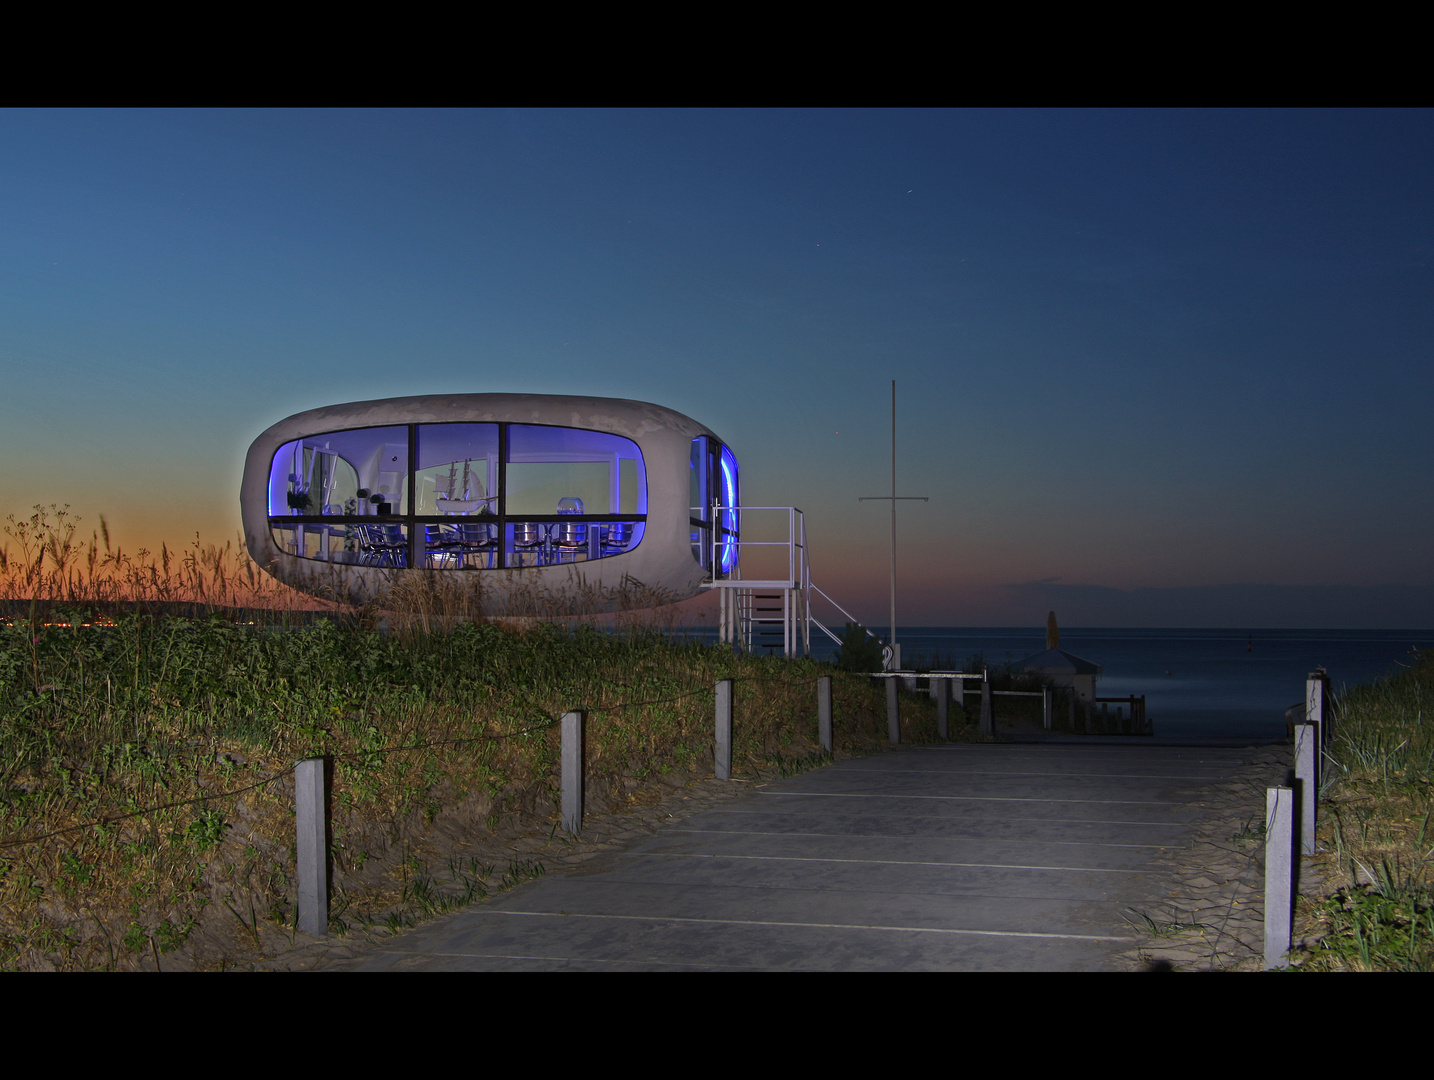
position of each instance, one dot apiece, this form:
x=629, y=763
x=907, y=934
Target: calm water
x=1196, y=682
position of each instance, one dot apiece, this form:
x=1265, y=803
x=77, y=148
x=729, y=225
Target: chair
x=441, y=545
x=383, y=545
x=476, y=539
x=615, y=538
x=570, y=536
x=531, y=537
x=370, y=544
x=396, y=543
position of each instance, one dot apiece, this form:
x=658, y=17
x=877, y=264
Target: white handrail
x=844, y=611
x=797, y=615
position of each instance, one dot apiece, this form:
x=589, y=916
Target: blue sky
x=1138, y=354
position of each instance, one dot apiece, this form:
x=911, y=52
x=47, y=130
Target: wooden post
x=824, y=712
x=572, y=778
x=1279, y=873
x=1315, y=688
x=988, y=716
x=1307, y=781
x=311, y=846
x=940, y=690
x=1047, y=707
x=723, y=764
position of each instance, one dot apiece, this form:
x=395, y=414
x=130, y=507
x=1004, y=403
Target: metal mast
x=893, y=497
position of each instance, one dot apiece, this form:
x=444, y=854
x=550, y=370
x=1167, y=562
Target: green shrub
x=859, y=650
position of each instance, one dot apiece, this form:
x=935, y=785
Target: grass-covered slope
x=1375, y=910
x=146, y=766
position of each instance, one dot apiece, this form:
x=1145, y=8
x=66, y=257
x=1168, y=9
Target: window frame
x=717, y=516
x=414, y=522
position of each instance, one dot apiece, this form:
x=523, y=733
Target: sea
x=1198, y=683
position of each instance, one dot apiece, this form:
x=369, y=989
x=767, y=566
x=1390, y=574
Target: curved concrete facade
x=661, y=565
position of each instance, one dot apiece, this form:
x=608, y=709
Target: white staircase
x=773, y=611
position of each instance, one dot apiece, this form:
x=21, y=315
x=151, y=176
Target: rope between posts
x=1229, y=913
x=361, y=755
x=149, y=810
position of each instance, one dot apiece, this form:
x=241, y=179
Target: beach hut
x=557, y=503
x=1064, y=670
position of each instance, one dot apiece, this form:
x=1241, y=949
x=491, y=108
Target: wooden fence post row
x=311, y=786
x=722, y=765
x=1290, y=810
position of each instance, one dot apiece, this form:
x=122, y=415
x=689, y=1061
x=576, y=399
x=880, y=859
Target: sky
x=1155, y=368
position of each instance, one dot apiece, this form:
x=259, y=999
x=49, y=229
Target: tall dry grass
x=46, y=563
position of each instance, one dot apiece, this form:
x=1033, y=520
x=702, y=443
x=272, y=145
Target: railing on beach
x=1133, y=723
x=1290, y=811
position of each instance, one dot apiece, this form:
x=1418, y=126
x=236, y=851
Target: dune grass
x=1376, y=910
x=146, y=757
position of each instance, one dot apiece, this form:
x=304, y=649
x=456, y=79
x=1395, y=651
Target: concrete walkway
x=952, y=858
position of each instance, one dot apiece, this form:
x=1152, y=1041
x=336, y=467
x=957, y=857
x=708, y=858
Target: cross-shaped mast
x=895, y=650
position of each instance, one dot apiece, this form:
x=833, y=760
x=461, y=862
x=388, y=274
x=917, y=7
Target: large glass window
x=343, y=472
x=458, y=496
x=457, y=469
x=569, y=476
x=549, y=464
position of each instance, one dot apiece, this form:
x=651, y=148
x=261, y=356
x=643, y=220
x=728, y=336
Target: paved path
x=953, y=858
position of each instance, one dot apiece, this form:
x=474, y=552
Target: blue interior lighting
x=729, y=516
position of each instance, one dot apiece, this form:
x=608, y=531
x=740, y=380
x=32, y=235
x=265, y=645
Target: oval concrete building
x=584, y=502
